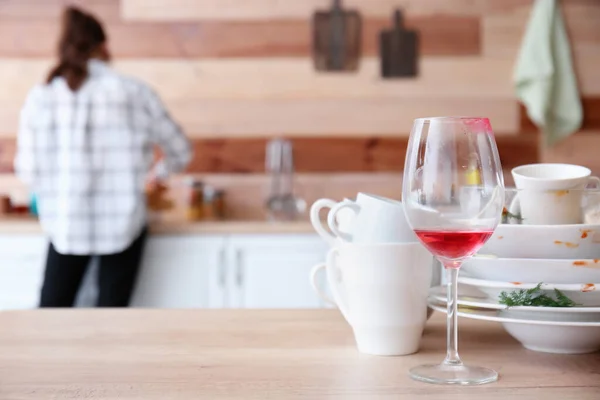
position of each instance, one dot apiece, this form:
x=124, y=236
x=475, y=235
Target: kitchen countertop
x=28, y=225
x=256, y=354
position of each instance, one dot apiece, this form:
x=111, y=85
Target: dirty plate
x=584, y=294
x=544, y=241
x=474, y=298
x=531, y=270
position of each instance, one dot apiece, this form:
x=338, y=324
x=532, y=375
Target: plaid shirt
x=86, y=156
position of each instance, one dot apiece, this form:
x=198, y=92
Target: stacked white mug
x=378, y=272
x=551, y=194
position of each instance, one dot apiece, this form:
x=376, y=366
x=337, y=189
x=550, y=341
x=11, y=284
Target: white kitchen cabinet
x=185, y=271
x=272, y=271
x=182, y=271
x=21, y=270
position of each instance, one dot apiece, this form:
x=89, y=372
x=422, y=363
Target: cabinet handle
x=239, y=270
x=222, y=271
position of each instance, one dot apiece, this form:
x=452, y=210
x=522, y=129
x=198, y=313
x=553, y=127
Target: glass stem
x=452, y=357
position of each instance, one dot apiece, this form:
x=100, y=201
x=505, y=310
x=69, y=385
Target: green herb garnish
x=507, y=215
x=535, y=297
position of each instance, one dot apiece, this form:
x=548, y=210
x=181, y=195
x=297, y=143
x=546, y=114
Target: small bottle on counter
x=33, y=205
x=4, y=205
x=214, y=204
x=195, y=199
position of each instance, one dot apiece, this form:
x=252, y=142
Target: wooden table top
x=256, y=354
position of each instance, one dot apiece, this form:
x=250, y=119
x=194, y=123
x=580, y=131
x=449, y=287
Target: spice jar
x=4, y=205
x=156, y=197
x=195, y=199
x=214, y=203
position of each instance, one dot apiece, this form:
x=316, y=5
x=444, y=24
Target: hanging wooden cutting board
x=398, y=48
x=337, y=39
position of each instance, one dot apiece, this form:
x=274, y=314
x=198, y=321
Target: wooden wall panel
x=591, y=116
x=391, y=117
x=582, y=19
x=503, y=29
x=42, y=10
x=28, y=38
x=9, y=119
x=588, y=74
x=323, y=154
x=502, y=32
x=185, y=10
x=180, y=80
x=440, y=35
x=7, y=154
x=494, y=7
x=286, y=97
x=580, y=149
x=296, y=79
x=314, y=155
x=219, y=39
x=18, y=76
x=591, y=113
x=338, y=117
x=286, y=78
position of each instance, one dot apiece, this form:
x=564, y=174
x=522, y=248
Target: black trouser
x=116, y=276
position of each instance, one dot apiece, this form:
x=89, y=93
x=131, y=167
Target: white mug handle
x=335, y=280
x=315, y=271
x=332, y=222
x=595, y=181
x=315, y=220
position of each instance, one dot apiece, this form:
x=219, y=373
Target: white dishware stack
x=378, y=274
x=550, y=235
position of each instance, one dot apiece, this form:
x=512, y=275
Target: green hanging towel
x=544, y=78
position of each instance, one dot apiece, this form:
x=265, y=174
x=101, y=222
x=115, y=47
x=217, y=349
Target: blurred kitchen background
x=273, y=129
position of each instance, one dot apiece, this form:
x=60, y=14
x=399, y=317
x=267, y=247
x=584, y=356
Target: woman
x=86, y=142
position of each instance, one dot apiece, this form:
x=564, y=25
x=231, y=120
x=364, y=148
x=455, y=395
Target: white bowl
x=531, y=270
x=556, y=314
x=545, y=336
x=544, y=241
x=584, y=294
x=556, y=339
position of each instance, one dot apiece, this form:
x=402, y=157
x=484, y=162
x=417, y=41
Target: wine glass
x=453, y=194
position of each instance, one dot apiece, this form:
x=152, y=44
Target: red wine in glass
x=453, y=245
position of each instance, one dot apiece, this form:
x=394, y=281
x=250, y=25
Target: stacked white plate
x=518, y=257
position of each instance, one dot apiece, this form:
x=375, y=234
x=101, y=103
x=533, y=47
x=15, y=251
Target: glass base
x=445, y=374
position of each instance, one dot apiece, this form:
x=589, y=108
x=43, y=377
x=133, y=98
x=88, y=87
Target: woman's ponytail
x=81, y=35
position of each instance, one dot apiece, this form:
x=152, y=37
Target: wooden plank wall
x=235, y=74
